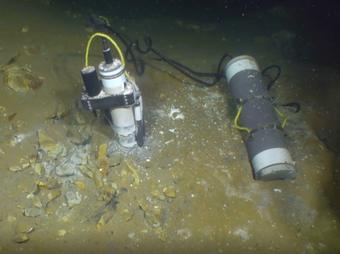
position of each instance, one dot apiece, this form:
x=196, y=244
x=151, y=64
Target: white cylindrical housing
x=112, y=76
x=124, y=125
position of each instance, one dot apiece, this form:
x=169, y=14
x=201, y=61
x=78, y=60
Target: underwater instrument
x=257, y=112
x=258, y=117
x=114, y=91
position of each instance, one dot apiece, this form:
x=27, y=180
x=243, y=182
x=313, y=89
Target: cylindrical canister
x=123, y=121
x=91, y=82
x=265, y=144
x=112, y=76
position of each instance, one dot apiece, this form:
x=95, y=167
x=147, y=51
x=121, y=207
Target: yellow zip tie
x=283, y=117
x=237, y=117
x=121, y=56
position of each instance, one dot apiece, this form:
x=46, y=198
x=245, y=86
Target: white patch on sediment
x=175, y=113
x=242, y=233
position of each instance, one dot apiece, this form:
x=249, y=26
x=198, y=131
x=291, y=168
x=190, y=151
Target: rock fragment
x=61, y=232
x=49, y=146
x=24, y=227
x=21, y=238
x=184, y=233
x=33, y=212
x=73, y=198
x=170, y=192
x=65, y=170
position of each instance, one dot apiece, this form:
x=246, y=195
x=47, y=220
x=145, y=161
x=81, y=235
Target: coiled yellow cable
x=88, y=45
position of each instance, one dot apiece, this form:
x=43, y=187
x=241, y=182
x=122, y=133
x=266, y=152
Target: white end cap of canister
x=238, y=64
x=274, y=163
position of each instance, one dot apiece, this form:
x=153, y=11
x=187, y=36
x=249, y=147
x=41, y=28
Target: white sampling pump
x=116, y=93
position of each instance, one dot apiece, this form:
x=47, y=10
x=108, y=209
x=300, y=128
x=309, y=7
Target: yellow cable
x=237, y=126
x=283, y=117
x=121, y=56
x=242, y=128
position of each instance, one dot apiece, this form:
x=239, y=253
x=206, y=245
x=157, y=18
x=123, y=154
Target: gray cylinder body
x=266, y=147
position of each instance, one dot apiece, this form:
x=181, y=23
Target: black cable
x=295, y=106
x=191, y=73
x=148, y=43
x=273, y=80
x=139, y=64
x=182, y=68
x=178, y=66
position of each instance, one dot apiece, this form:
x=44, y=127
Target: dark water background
x=315, y=22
